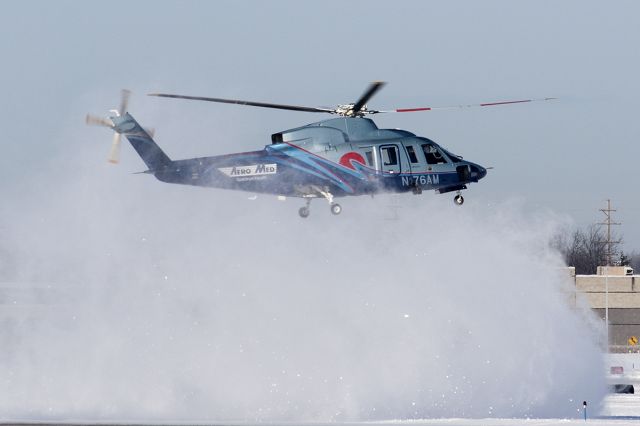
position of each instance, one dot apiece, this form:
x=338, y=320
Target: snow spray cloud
x=142, y=300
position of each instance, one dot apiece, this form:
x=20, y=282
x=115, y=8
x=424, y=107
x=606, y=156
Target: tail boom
x=141, y=141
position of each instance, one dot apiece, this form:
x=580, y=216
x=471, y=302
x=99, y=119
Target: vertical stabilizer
x=149, y=151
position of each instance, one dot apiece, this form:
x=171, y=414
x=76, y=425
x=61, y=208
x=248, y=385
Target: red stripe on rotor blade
x=413, y=109
x=505, y=103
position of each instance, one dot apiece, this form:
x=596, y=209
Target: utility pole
x=608, y=222
x=609, y=253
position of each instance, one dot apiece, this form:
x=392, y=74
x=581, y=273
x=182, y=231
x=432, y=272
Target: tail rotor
x=114, y=153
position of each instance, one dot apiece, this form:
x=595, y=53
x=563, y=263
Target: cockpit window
x=432, y=154
x=412, y=154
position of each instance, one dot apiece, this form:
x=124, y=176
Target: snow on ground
x=433, y=422
x=621, y=405
x=520, y=422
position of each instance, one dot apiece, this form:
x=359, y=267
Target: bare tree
x=584, y=250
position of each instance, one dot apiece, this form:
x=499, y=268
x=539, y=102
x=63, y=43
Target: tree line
x=585, y=249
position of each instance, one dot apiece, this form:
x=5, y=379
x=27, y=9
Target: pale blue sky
x=63, y=59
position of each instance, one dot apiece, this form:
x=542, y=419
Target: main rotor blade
x=419, y=109
x=373, y=88
x=248, y=103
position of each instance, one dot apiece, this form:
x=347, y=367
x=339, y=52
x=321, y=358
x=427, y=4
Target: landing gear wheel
x=458, y=199
x=304, y=212
x=336, y=208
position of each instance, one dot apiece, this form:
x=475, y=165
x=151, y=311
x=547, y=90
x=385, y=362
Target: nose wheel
x=336, y=208
x=304, y=212
x=458, y=199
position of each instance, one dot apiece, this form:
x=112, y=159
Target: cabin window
x=432, y=154
x=369, y=155
x=412, y=154
x=389, y=156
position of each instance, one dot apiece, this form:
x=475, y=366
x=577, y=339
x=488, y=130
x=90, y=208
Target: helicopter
x=338, y=157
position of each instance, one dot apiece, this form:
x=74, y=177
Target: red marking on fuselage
x=347, y=158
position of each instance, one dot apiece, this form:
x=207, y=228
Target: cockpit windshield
x=453, y=157
x=432, y=154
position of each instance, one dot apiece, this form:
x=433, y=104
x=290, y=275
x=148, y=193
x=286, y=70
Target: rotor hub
x=348, y=110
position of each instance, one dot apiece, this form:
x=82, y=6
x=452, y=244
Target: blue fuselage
x=342, y=156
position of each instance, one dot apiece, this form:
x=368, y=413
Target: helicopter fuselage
x=341, y=157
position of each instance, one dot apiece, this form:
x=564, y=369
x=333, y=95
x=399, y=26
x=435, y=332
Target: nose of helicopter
x=478, y=172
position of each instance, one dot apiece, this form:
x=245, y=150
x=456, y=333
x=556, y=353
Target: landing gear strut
x=458, y=199
x=336, y=208
x=304, y=210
